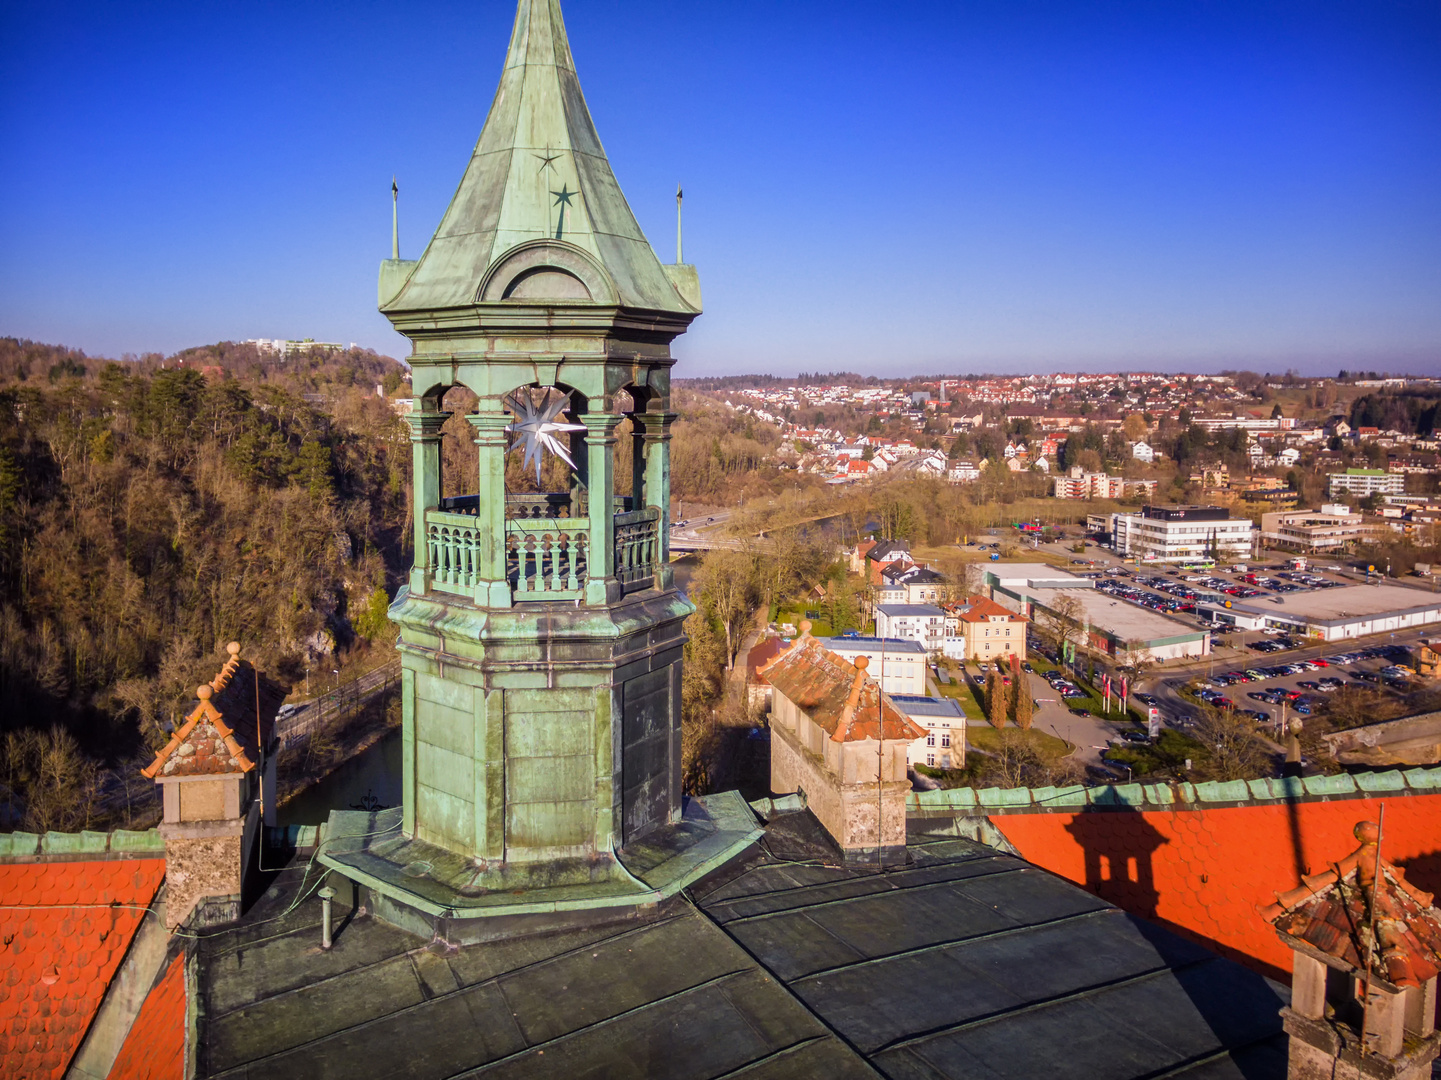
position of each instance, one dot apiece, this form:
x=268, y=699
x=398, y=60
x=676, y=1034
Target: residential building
x=1332, y=528
x=911, y=585
x=1078, y=484
x=981, y=629
x=1183, y=534
x=963, y=472
x=943, y=746
x=1364, y=482
x=921, y=623
x=898, y=664
x=1143, y=451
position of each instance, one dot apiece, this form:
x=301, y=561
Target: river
x=368, y=781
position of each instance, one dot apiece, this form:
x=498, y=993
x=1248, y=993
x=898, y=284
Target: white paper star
x=536, y=427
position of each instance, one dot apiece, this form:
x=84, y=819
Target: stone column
x=601, y=587
x=492, y=589
x=425, y=463
x=653, y=432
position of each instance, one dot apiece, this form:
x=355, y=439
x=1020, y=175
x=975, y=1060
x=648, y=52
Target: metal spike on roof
x=538, y=172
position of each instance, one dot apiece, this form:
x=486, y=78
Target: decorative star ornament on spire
x=536, y=428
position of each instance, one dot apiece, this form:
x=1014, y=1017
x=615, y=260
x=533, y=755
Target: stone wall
x=199, y=867
x=848, y=811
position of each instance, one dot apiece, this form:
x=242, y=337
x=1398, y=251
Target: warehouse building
x=1114, y=627
x=1353, y=611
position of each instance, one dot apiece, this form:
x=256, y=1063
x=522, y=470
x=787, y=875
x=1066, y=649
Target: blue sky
x=891, y=188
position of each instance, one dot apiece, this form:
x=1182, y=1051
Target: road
x=695, y=534
x=296, y=725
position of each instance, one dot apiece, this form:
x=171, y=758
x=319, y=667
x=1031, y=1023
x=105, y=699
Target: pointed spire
x=538, y=172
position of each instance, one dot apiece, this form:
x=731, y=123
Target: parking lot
x=1174, y=591
x=1271, y=679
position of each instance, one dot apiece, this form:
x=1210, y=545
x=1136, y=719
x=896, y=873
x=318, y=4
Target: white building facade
x=1183, y=534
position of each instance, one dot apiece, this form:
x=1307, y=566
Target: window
x=930, y=740
x=930, y=759
x=946, y=739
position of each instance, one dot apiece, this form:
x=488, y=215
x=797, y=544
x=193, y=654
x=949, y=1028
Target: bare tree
x=1236, y=751
x=726, y=581
x=1062, y=619
x=51, y=777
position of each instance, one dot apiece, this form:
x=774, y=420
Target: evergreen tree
x=1023, y=711
x=996, y=700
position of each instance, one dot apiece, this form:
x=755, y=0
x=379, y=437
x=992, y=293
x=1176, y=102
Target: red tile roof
x=982, y=609
x=1203, y=872
x=228, y=727
x=155, y=1047
x=1332, y=911
x=64, y=928
x=762, y=653
x=836, y=694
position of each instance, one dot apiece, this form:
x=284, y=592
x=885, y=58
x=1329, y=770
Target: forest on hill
x=155, y=508
x=151, y=511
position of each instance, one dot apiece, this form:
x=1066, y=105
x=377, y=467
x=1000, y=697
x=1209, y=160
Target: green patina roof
x=538, y=141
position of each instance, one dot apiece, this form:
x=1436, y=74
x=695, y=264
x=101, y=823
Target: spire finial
x=394, y=218
x=679, y=260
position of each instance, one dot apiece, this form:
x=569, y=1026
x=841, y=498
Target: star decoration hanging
x=536, y=427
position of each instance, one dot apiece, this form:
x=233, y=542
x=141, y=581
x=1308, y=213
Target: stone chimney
x=216, y=774
x=1366, y=947
x=836, y=737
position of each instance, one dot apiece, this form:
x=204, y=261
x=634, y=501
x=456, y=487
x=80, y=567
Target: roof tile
x=155, y=1047
x=836, y=694
x=1183, y=846
x=55, y=977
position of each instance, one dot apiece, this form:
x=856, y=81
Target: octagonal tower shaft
x=540, y=632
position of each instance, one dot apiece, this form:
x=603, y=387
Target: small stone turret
x=1367, y=949
x=216, y=773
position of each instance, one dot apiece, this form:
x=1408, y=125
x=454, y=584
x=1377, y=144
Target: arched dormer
x=546, y=271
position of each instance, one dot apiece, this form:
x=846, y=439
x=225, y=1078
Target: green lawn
x=989, y=740
x=965, y=693
x=794, y=613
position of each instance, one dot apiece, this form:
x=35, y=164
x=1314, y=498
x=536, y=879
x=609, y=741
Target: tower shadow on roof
x=1119, y=847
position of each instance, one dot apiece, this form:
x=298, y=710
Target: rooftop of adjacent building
x=1346, y=602
x=909, y=610
x=785, y=963
x=872, y=646
x=920, y=705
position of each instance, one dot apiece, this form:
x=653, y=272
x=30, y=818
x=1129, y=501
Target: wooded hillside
x=150, y=512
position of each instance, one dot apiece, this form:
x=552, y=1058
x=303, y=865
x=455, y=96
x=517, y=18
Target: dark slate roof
x=965, y=962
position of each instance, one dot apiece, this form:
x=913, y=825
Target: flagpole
x=394, y=219
x=679, y=259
